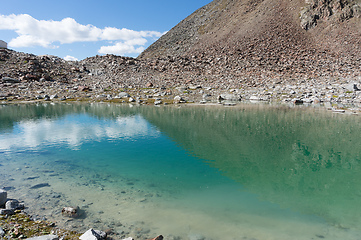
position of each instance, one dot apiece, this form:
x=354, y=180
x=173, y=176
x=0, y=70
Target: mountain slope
x=291, y=37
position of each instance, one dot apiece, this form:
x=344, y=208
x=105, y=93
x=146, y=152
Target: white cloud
x=70, y=58
x=48, y=33
x=35, y=134
x=121, y=48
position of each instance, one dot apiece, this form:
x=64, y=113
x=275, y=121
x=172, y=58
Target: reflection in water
x=305, y=161
x=74, y=131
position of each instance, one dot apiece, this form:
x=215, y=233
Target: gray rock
x=53, y=97
x=92, y=234
x=46, y=237
x=2, y=232
x=72, y=212
x=14, y=204
x=6, y=211
x=178, y=99
x=230, y=97
x=123, y=95
x=129, y=238
x=254, y=98
x=158, y=102
x=9, y=80
x=351, y=87
x=102, y=234
x=40, y=185
x=194, y=87
x=3, y=197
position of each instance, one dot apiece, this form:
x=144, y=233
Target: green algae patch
x=21, y=226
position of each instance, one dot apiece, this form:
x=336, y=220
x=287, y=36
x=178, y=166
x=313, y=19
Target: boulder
x=297, y=101
x=149, y=85
x=14, y=204
x=10, y=80
x=2, y=232
x=92, y=234
x=46, y=237
x=6, y=211
x=123, y=95
x=254, y=98
x=351, y=87
x=3, y=197
x=178, y=99
x=230, y=97
x=194, y=87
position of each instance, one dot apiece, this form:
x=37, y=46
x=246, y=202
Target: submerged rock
x=40, y=185
x=160, y=237
x=72, y=212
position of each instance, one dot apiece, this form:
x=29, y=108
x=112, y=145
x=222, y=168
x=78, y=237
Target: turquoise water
x=250, y=172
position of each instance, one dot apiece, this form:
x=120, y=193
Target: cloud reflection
x=74, y=131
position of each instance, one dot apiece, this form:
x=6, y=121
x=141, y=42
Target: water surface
x=249, y=172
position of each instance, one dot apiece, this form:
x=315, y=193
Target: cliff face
x=282, y=32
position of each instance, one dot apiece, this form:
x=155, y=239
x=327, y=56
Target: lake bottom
x=132, y=206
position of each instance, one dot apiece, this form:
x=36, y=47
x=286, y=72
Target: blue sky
x=76, y=29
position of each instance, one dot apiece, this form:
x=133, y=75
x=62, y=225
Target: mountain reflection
x=302, y=160
x=305, y=161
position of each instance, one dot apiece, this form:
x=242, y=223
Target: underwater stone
x=160, y=237
x=72, y=212
x=196, y=237
x=40, y=185
x=3, y=197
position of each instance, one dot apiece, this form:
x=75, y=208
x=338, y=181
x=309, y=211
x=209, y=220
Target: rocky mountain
x=294, y=38
x=269, y=50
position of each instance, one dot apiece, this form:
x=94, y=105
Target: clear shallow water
x=217, y=173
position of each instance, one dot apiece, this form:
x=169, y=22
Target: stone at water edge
x=230, y=97
x=92, y=234
x=46, y=237
x=14, y=204
x=129, y=238
x=6, y=211
x=178, y=99
x=123, y=95
x=3, y=197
